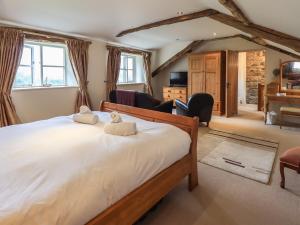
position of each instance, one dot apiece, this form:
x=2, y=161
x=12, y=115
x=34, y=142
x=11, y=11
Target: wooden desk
x=289, y=99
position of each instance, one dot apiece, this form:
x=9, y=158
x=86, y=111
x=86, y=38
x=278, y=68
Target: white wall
x=37, y=104
x=238, y=44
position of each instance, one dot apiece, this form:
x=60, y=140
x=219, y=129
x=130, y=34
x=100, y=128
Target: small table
x=288, y=99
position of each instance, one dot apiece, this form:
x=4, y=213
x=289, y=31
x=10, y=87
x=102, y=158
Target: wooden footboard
x=130, y=208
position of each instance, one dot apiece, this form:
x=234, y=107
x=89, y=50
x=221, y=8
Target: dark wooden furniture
x=291, y=160
x=207, y=75
x=261, y=97
x=131, y=207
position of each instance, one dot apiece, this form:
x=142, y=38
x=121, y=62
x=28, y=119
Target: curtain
x=11, y=48
x=113, y=69
x=147, y=68
x=78, y=53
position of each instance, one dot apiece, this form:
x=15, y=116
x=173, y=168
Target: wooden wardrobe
x=207, y=74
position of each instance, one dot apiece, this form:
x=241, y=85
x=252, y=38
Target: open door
x=231, y=83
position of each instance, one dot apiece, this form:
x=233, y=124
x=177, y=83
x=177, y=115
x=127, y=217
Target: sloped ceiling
x=104, y=19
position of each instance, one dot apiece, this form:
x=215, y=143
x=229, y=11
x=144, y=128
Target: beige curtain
x=113, y=69
x=147, y=67
x=78, y=53
x=11, y=48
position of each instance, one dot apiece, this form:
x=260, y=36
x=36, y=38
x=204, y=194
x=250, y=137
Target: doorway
x=245, y=82
x=251, y=80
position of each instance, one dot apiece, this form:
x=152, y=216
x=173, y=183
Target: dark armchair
x=200, y=105
x=146, y=101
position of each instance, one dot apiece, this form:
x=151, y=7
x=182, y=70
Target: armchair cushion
x=166, y=107
x=181, y=108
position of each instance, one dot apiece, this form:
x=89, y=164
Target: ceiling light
x=214, y=34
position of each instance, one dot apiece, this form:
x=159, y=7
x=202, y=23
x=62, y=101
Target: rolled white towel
x=85, y=110
x=86, y=118
x=115, y=117
x=121, y=129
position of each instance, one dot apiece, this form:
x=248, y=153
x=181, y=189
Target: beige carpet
x=223, y=198
x=250, y=157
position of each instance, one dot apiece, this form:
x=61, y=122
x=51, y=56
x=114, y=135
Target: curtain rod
x=129, y=50
x=45, y=34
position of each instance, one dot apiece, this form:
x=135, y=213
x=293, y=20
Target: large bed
x=59, y=172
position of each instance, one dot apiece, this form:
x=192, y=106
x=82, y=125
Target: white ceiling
x=105, y=19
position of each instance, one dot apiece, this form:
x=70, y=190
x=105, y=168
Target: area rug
x=249, y=157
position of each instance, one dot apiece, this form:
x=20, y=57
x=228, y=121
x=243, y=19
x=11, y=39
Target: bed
x=60, y=172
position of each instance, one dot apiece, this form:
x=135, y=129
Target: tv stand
x=173, y=93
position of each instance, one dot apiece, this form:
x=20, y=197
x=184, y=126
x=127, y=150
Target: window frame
x=31, y=66
x=125, y=69
x=42, y=83
x=51, y=66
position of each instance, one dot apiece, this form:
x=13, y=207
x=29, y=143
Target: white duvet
x=60, y=172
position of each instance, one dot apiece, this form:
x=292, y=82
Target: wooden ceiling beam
x=177, y=19
x=235, y=10
x=239, y=15
x=269, y=46
x=259, y=31
x=177, y=56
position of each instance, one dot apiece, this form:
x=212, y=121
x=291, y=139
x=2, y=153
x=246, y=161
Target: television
x=178, y=79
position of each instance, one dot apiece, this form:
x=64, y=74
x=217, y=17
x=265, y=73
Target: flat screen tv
x=178, y=79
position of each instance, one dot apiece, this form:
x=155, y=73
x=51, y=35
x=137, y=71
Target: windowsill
x=129, y=84
x=42, y=88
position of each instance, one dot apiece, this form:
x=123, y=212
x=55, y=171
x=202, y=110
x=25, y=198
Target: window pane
x=130, y=76
x=122, y=76
x=130, y=63
x=23, y=77
x=26, y=57
x=53, y=56
x=53, y=76
x=122, y=62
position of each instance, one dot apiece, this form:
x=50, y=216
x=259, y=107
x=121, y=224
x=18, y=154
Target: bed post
x=193, y=176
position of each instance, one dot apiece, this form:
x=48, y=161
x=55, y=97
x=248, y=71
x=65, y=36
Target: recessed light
x=214, y=34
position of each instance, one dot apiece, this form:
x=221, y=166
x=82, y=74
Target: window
x=44, y=65
x=131, y=69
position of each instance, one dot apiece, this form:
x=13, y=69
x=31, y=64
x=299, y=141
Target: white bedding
x=60, y=172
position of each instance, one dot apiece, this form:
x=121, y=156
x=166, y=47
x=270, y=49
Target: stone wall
x=255, y=74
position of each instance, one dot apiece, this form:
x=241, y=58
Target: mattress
x=60, y=172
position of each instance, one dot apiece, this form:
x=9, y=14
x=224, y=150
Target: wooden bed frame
x=130, y=208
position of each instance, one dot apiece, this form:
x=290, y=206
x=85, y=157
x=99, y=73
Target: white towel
x=121, y=129
x=85, y=110
x=87, y=118
x=115, y=117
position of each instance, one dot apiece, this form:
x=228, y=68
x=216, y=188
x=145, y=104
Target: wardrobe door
x=212, y=70
x=196, y=79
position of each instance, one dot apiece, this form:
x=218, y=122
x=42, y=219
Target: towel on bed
x=115, y=117
x=85, y=116
x=125, y=97
x=121, y=129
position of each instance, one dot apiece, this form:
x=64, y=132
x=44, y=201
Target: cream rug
x=249, y=157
